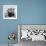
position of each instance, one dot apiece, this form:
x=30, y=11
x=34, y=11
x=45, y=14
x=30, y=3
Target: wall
x=29, y=12
x=34, y=12
x=7, y=26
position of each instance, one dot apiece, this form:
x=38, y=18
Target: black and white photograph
x=9, y=11
x=31, y=34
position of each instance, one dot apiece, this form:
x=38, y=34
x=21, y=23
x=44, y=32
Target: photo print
x=32, y=32
x=9, y=11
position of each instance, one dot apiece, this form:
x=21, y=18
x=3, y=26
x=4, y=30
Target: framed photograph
x=9, y=11
x=31, y=32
